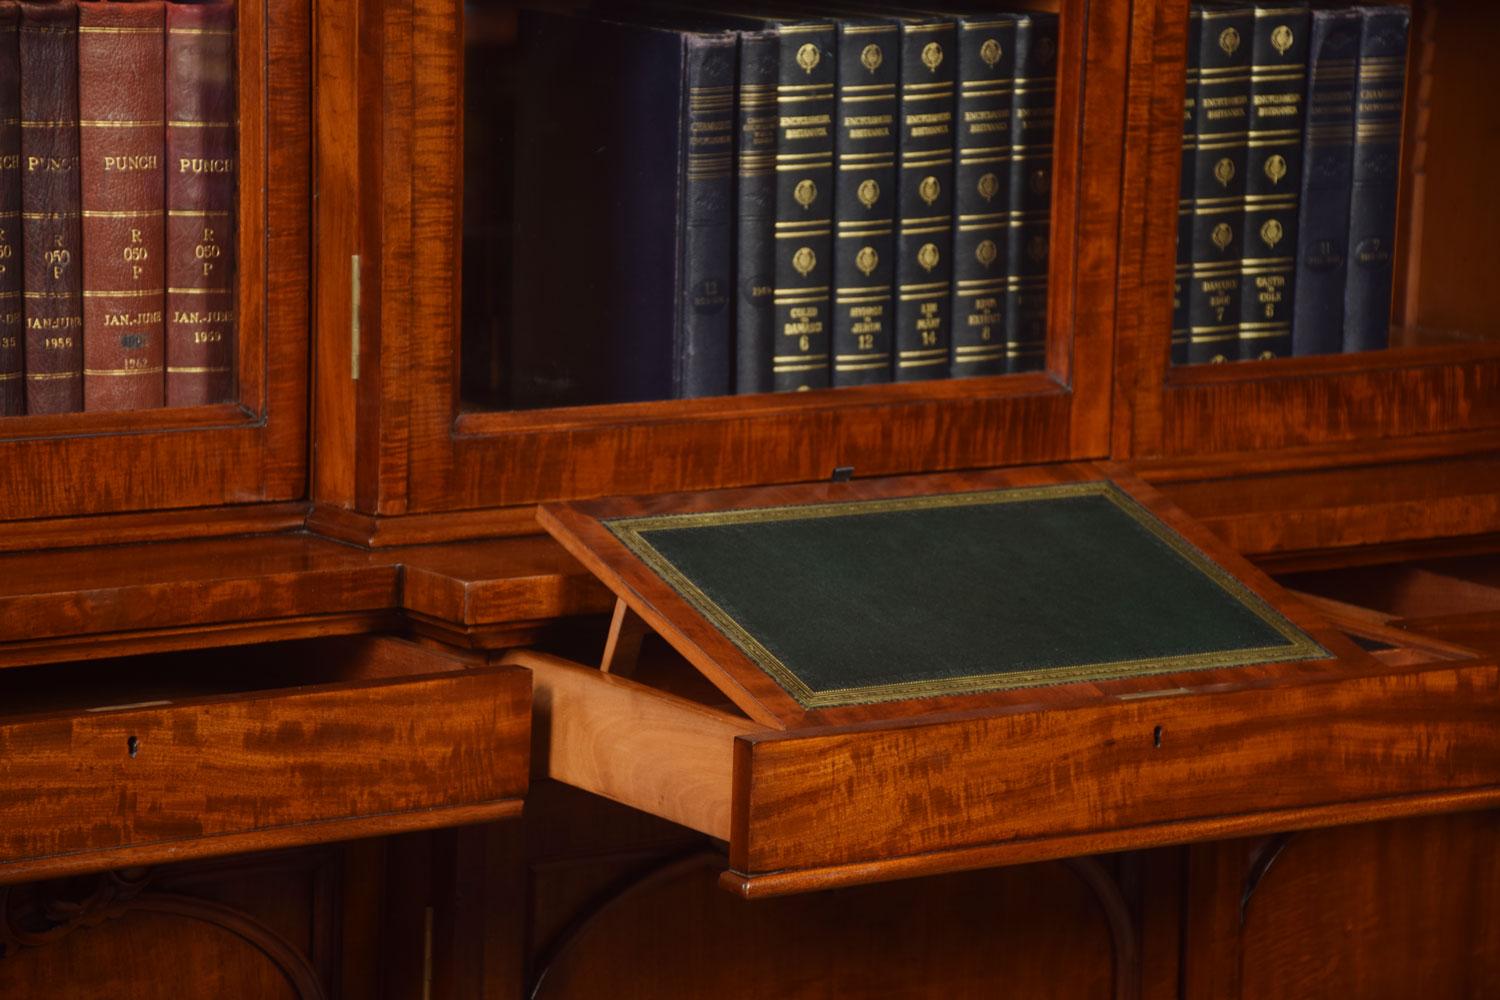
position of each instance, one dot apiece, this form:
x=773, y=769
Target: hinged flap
x=833, y=603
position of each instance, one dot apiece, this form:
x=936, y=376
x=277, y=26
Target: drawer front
x=860, y=804
x=152, y=782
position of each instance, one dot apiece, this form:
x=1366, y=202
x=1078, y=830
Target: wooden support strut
x=622, y=649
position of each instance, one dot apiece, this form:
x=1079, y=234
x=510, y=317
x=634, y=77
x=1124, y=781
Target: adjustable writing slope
x=928, y=673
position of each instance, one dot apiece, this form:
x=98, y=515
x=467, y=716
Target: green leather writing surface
x=912, y=597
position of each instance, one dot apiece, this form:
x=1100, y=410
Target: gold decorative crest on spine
x=932, y=56
x=804, y=260
x=928, y=256
x=806, y=192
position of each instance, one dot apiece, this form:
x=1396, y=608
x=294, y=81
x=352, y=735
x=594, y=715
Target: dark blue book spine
x=981, y=243
x=755, y=211
x=1327, y=170
x=1273, y=181
x=1033, y=114
x=1379, y=100
x=1219, y=168
x=924, y=233
x=804, y=206
x=707, y=223
x=865, y=202
x=1184, y=272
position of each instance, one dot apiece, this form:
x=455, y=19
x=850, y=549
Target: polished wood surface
x=580, y=527
x=1265, y=916
x=93, y=602
x=954, y=937
x=668, y=755
x=121, y=768
x=403, y=448
x=894, y=793
x=1379, y=910
x=1298, y=831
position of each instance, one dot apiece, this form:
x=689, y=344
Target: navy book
x=1273, y=179
x=1327, y=169
x=1033, y=114
x=1183, y=274
x=624, y=225
x=1380, y=96
x=981, y=241
x=755, y=211
x=924, y=231
x=1219, y=166
x=864, y=247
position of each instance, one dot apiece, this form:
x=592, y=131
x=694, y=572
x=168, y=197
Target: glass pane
x=117, y=206
x=664, y=204
x=1323, y=205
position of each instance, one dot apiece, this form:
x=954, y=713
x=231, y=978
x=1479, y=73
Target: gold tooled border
x=631, y=530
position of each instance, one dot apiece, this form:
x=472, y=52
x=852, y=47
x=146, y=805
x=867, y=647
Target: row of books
x=1290, y=156
x=725, y=203
x=117, y=205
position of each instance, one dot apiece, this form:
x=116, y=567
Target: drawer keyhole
x=133, y=745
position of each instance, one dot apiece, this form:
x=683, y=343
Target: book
x=703, y=357
x=1379, y=101
x=1327, y=170
x=121, y=147
x=50, y=233
x=1219, y=165
x=805, y=107
x=623, y=233
x=867, y=121
x=1273, y=179
x=1033, y=115
x=981, y=240
x=200, y=225
x=755, y=210
x=12, y=313
x=1186, y=182
x=924, y=229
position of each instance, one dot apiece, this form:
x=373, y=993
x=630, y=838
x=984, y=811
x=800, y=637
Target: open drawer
x=858, y=681
x=158, y=758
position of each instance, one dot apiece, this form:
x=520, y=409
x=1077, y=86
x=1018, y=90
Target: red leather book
x=12, y=317
x=50, y=237
x=201, y=117
x=120, y=138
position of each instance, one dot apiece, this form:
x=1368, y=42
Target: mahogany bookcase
x=269, y=658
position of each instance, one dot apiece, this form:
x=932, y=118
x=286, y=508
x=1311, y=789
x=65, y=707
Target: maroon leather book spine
x=12, y=316
x=120, y=139
x=201, y=116
x=50, y=237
